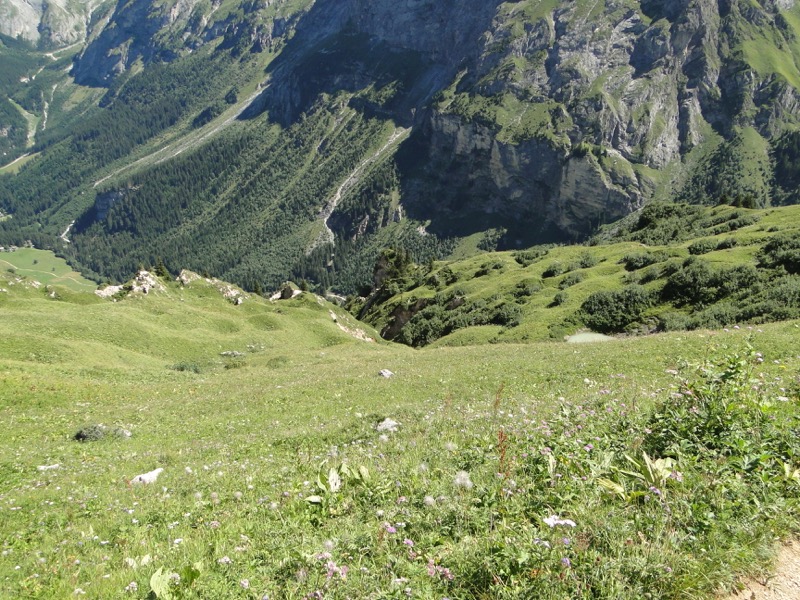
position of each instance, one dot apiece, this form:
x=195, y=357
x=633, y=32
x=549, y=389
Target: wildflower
x=132, y=587
x=462, y=480
x=543, y=543
x=225, y=560
x=429, y=501
x=79, y=592
x=174, y=578
x=189, y=470
x=450, y=447
x=408, y=542
x=177, y=541
x=237, y=496
x=566, y=562
x=389, y=528
x=214, y=524
x=553, y=520
x=245, y=584
x=383, y=438
x=214, y=498
x=388, y=424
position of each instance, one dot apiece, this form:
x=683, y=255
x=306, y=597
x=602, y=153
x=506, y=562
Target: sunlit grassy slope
x=543, y=289
x=43, y=266
x=451, y=504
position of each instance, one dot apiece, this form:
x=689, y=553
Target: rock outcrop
x=49, y=23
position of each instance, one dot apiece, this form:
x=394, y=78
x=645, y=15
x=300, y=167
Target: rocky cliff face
x=50, y=23
x=559, y=111
x=146, y=31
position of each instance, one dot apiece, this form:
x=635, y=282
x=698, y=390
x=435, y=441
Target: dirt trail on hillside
x=327, y=235
x=186, y=142
x=782, y=584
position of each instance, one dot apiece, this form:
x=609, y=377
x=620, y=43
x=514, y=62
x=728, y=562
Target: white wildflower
x=388, y=424
x=553, y=520
x=462, y=480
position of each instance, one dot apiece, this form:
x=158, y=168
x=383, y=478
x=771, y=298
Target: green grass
x=45, y=267
x=31, y=119
x=247, y=504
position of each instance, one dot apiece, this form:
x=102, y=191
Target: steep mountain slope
x=537, y=119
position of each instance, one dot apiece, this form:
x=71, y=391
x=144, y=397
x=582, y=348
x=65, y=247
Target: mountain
x=47, y=23
x=261, y=141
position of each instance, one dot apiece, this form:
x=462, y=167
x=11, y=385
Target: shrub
x=526, y=288
x=506, y=314
x=637, y=260
x=559, y=299
x=695, y=282
x=783, y=251
x=554, y=270
x=587, y=260
x=612, y=312
x=730, y=242
x=530, y=256
x=702, y=246
x=673, y=321
x=720, y=414
x=186, y=366
x=571, y=279
x=488, y=267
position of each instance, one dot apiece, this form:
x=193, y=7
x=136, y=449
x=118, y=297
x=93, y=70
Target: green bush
x=587, y=260
x=571, y=279
x=186, y=367
x=613, y=311
x=488, y=267
x=696, y=282
x=559, y=299
x=702, y=246
x=638, y=260
x=554, y=270
x=530, y=256
x=783, y=251
x=526, y=288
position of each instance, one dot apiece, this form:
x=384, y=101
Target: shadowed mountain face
x=538, y=119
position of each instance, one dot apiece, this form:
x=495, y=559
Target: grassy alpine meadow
x=255, y=451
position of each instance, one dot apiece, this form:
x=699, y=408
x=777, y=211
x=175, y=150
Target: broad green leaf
x=159, y=584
